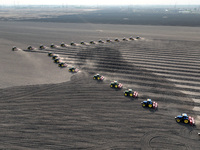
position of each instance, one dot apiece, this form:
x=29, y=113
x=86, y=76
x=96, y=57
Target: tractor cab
x=184, y=115
x=115, y=82
x=97, y=76
x=128, y=92
x=149, y=101
x=72, y=68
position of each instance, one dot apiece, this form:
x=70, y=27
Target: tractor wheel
x=116, y=86
x=73, y=70
x=98, y=78
x=143, y=105
x=61, y=65
x=111, y=85
x=150, y=105
x=131, y=95
x=69, y=70
x=125, y=94
x=178, y=120
x=186, y=121
x=94, y=78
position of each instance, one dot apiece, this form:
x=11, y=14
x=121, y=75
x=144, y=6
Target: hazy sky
x=99, y=2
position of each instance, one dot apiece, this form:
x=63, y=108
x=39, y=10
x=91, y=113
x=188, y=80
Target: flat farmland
x=45, y=107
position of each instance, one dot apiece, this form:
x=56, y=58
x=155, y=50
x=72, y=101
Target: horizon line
x=98, y=5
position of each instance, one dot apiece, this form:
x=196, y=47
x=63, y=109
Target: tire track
x=168, y=140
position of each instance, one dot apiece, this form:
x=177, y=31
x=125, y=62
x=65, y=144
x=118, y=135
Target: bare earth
x=45, y=107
